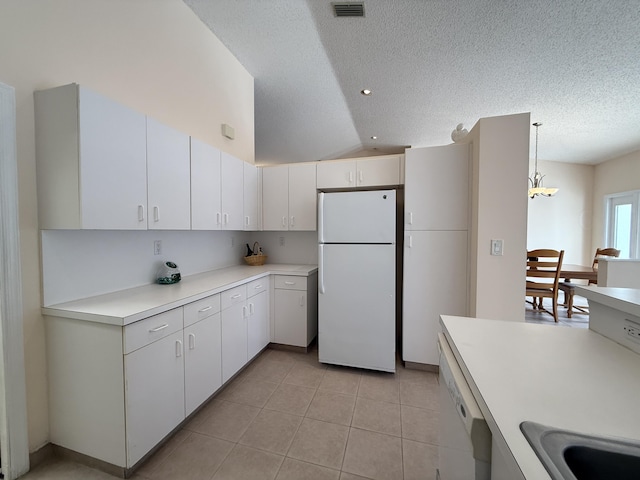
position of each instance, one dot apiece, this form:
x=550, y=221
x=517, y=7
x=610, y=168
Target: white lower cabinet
x=295, y=310
x=154, y=377
x=258, y=327
x=234, y=331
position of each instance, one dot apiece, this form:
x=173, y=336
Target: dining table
x=570, y=272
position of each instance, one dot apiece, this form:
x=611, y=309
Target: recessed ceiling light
x=373, y=137
x=365, y=92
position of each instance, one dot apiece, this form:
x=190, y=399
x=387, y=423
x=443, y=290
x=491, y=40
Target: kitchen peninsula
x=568, y=378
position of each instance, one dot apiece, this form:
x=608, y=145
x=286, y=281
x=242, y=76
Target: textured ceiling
x=432, y=64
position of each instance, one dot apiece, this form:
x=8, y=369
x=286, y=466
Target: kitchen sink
x=571, y=455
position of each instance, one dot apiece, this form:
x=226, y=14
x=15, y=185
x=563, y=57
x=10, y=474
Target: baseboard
x=422, y=366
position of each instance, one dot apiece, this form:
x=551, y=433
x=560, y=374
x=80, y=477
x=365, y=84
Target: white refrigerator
x=357, y=279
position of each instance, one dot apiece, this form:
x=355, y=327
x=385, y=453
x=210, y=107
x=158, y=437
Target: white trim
x=14, y=443
x=632, y=198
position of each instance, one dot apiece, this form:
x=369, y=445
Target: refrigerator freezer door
x=357, y=307
x=357, y=217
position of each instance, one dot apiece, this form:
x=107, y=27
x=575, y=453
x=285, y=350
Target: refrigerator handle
x=321, y=268
x=321, y=216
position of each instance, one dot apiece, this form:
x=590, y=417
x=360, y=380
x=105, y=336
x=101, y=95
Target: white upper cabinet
x=250, y=197
x=360, y=172
x=206, y=207
x=437, y=188
x=232, y=192
x=168, y=178
x=91, y=161
x=289, y=197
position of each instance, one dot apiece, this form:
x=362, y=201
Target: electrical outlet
x=157, y=247
x=632, y=330
x=281, y=239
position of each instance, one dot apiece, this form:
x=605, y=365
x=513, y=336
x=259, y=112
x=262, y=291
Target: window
x=623, y=223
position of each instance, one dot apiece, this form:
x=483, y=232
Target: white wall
x=299, y=247
x=155, y=56
x=564, y=221
x=499, y=211
x=620, y=174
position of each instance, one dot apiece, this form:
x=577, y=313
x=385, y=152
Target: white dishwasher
x=465, y=439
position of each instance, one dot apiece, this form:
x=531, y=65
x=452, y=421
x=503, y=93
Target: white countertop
x=623, y=299
x=127, y=306
x=564, y=377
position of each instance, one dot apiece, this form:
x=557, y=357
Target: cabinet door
x=435, y=283
x=234, y=340
x=250, y=197
x=206, y=213
x=113, y=184
x=202, y=361
x=338, y=174
x=302, y=197
x=275, y=198
x=437, y=188
x=168, y=178
x=290, y=312
x=232, y=192
x=258, y=324
x=378, y=172
x=154, y=379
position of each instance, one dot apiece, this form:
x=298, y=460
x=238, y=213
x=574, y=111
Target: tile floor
x=288, y=417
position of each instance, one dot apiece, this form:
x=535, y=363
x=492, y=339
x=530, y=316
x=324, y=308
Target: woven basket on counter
x=258, y=258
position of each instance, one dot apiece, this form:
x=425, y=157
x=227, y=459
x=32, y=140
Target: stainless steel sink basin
x=575, y=456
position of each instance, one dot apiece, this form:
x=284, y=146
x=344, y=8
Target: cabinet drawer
x=257, y=286
x=196, y=311
x=147, y=331
x=233, y=296
x=290, y=282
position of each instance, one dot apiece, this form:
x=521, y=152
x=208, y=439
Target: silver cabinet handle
x=178, y=348
x=293, y=221
x=161, y=327
x=218, y=218
x=237, y=295
x=205, y=309
x=258, y=287
x=156, y=214
x=141, y=213
x=289, y=283
x=192, y=341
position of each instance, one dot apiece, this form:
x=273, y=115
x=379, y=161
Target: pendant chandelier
x=535, y=180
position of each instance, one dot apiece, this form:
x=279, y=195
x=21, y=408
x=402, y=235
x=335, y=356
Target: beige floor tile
x=268, y=370
x=291, y=399
x=225, y=420
x=332, y=407
x=153, y=463
x=196, y=458
x=420, y=424
x=419, y=395
x=304, y=375
x=351, y=476
x=321, y=443
x=65, y=470
x=379, y=387
x=296, y=470
x=252, y=392
x=373, y=455
x=281, y=356
x=420, y=460
x=416, y=376
x=382, y=417
x=245, y=463
x=272, y=431
x=344, y=381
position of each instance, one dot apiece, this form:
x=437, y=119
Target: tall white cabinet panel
x=435, y=283
x=258, y=325
x=302, y=197
x=437, y=188
x=154, y=394
x=232, y=192
x=206, y=206
x=289, y=197
x=250, y=197
x=168, y=177
x=91, y=161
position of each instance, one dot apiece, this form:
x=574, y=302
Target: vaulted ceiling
x=432, y=64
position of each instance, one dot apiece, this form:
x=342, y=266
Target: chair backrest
x=603, y=252
x=543, y=268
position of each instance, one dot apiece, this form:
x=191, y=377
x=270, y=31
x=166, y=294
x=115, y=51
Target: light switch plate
x=496, y=247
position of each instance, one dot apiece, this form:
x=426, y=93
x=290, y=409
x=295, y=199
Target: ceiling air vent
x=348, y=9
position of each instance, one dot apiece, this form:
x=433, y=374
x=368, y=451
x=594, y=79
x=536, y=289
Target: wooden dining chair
x=568, y=288
x=543, y=275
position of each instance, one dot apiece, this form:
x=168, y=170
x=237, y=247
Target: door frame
x=14, y=444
